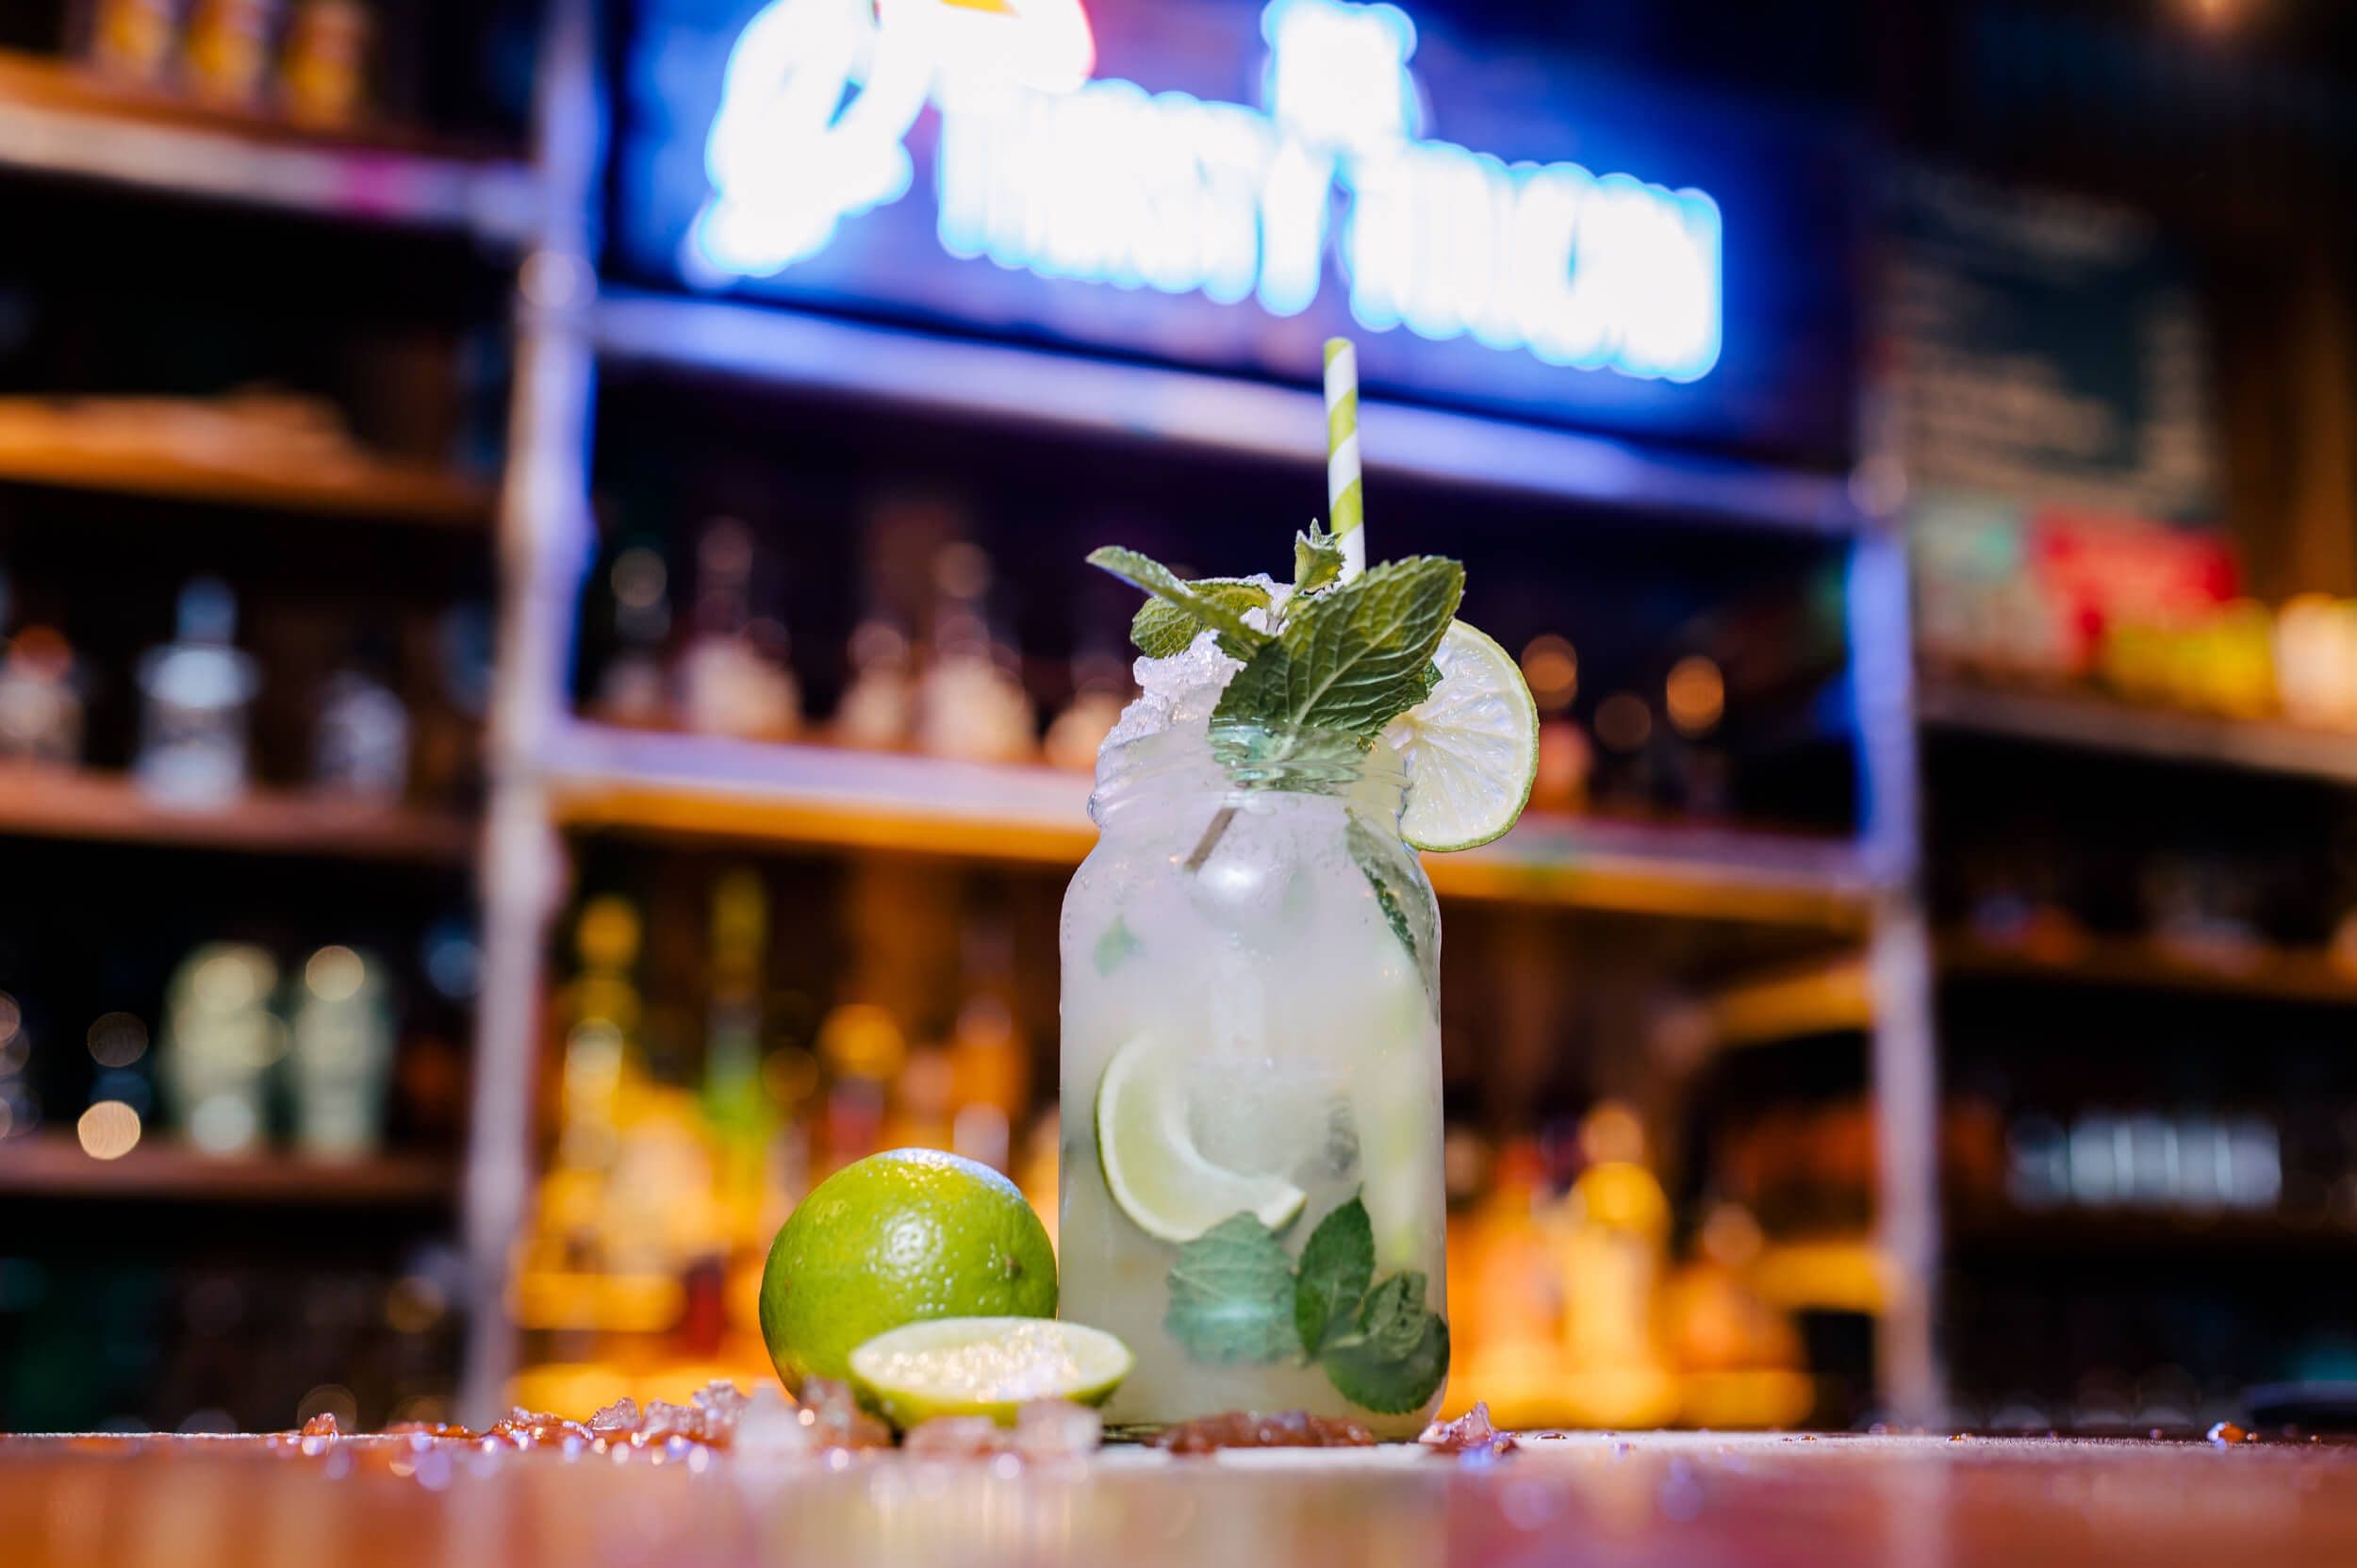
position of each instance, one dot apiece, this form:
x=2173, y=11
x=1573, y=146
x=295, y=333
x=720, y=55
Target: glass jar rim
x=1251, y=757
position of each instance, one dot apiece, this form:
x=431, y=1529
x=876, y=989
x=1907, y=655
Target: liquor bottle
x=1100, y=689
x=736, y=1106
x=220, y=1041
x=229, y=50
x=342, y=1054
x=197, y=692
x=1614, y=1250
x=862, y=1048
x=20, y=1105
x=361, y=747
x=41, y=701
x=733, y=678
x=879, y=707
x=603, y=1011
x=989, y=1061
x=969, y=704
x=632, y=691
x=323, y=70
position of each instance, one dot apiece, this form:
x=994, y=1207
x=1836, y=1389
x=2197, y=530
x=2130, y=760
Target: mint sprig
x=1353, y=658
x=1212, y=610
x=1317, y=560
x=1162, y=628
x=1350, y=656
x=1235, y=1296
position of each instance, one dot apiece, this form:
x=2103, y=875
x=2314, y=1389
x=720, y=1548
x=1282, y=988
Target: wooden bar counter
x=1686, y=1500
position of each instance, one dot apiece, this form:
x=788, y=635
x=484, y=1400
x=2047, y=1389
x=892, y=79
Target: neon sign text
x=1042, y=167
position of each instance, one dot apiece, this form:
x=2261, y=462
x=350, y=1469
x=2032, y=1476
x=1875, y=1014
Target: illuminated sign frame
x=1044, y=168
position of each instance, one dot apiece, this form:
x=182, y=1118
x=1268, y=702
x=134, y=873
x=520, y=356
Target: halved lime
x=1471, y=746
x=989, y=1366
x=1152, y=1166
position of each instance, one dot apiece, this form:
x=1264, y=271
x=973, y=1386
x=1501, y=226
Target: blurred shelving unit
x=2086, y=721
x=111, y=809
x=127, y=446
x=44, y=443
x=53, y=1165
x=56, y=119
x=2256, y=972
x=829, y=795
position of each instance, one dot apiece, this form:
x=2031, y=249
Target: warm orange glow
x=1624, y=723
x=1552, y=667
x=109, y=1130
x=1696, y=695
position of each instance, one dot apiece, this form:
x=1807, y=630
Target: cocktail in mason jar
x=1251, y=1050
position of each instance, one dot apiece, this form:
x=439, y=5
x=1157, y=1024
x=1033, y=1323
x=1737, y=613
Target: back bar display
x=1223, y=185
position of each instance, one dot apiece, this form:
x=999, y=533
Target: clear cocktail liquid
x=1261, y=940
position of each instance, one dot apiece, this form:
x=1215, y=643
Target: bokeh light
x=117, y=1039
x=1624, y=723
x=335, y=974
x=1696, y=695
x=1552, y=667
x=109, y=1130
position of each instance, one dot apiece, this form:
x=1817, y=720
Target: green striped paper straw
x=1346, y=495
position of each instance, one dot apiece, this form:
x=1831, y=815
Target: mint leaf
x=1398, y=1356
x=1392, y=1318
x=1317, y=560
x=1336, y=1264
x=1218, y=612
x=1354, y=657
x=1232, y=1295
x=1161, y=628
x=1116, y=945
x=1367, y=850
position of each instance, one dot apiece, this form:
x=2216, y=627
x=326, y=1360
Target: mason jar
x=1252, y=1193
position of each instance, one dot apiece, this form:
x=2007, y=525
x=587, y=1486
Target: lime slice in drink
x=989, y=1366
x=1152, y=1166
x=1472, y=746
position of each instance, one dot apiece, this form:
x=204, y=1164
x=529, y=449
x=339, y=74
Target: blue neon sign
x=1224, y=182
x=1045, y=169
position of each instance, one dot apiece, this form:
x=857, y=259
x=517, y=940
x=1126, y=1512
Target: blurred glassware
x=969, y=703
x=220, y=1041
x=20, y=1105
x=879, y=708
x=732, y=677
x=228, y=51
x=631, y=690
x=40, y=700
x=362, y=744
x=323, y=70
x=342, y=1054
x=198, y=690
x=1101, y=688
x=135, y=41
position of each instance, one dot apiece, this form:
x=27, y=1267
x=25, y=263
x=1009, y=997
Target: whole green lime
x=895, y=1239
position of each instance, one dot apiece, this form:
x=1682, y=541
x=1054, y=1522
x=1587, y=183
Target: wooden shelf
x=1834, y=997
x=45, y=442
x=2267, y=974
x=2100, y=1232
x=111, y=808
x=52, y=1166
x=2092, y=722
x=59, y=119
x=603, y=778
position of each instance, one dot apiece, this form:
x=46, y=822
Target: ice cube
x=1180, y=689
x=1342, y=1139
x=769, y=1430
x=1056, y=1429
